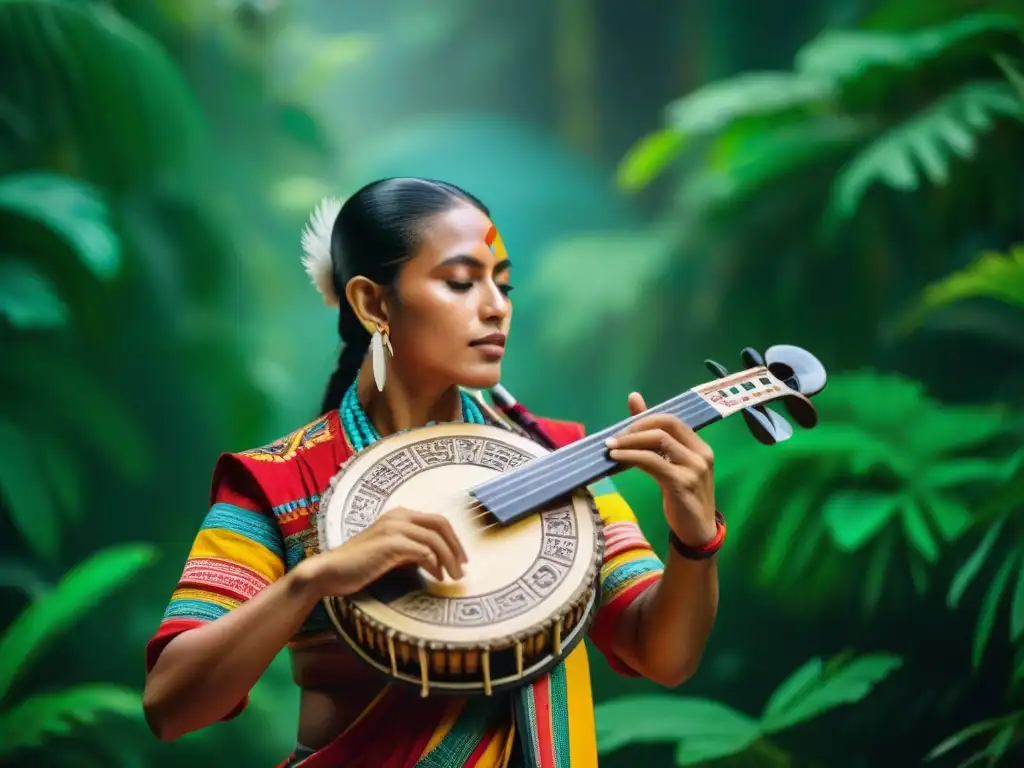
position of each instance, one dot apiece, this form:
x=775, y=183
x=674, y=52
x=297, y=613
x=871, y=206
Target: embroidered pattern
x=287, y=447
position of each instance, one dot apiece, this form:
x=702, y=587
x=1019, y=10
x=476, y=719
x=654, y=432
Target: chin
x=480, y=377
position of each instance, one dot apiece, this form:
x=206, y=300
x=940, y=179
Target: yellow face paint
x=495, y=243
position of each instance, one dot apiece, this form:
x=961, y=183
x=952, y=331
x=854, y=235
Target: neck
x=403, y=405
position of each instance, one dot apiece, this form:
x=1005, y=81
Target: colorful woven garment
x=262, y=523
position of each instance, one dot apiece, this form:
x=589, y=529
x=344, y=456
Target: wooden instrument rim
x=497, y=685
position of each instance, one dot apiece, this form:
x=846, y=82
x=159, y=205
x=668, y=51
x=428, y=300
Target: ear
x=367, y=301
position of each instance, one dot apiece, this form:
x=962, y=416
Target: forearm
x=667, y=627
x=204, y=673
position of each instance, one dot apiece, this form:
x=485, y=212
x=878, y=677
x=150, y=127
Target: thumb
x=636, y=403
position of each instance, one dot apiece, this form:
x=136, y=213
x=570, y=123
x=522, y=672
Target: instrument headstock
x=787, y=373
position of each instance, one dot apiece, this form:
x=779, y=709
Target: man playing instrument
x=420, y=278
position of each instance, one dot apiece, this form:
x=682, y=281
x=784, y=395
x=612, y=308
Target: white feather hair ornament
x=316, y=248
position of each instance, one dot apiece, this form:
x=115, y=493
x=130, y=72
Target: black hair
x=377, y=230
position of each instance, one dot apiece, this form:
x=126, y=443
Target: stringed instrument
x=529, y=525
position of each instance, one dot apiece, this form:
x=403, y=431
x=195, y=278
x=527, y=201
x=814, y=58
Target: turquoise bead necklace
x=361, y=432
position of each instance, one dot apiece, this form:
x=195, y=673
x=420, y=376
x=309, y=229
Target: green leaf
x=965, y=734
x=853, y=518
x=792, y=689
x=957, y=472
x=991, y=276
x=915, y=524
x=28, y=502
x=83, y=406
x=825, y=690
x=1017, y=607
x=27, y=299
x=31, y=723
x=117, y=106
x=842, y=55
x=924, y=144
x=70, y=209
x=81, y=589
x=950, y=517
x=648, y=159
x=714, y=729
x=714, y=106
x=1014, y=75
x=990, y=607
x=972, y=565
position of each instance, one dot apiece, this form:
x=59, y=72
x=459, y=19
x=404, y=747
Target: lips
x=491, y=347
x=494, y=340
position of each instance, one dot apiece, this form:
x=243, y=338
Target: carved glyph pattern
x=559, y=538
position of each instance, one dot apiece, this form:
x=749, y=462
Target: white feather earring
x=380, y=341
x=316, y=248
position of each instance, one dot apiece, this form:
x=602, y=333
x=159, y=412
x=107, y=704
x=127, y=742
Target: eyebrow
x=470, y=261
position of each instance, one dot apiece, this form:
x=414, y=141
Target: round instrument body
x=529, y=590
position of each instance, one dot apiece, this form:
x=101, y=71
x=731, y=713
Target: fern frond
x=31, y=723
x=924, y=145
x=994, y=276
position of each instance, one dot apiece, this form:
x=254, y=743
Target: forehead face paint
x=495, y=243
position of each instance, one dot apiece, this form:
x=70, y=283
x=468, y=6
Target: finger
x=671, y=424
x=406, y=551
x=636, y=403
x=656, y=440
x=441, y=524
x=649, y=463
x=437, y=544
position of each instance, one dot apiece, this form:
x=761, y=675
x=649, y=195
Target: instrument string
x=548, y=470
x=567, y=464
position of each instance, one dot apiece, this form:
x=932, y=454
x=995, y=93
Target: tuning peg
x=751, y=358
x=799, y=369
x=716, y=368
x=766, y=426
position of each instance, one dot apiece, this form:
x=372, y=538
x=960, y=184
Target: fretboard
x=514, y=494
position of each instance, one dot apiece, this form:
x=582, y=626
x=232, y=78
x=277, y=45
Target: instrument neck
x=514, y=494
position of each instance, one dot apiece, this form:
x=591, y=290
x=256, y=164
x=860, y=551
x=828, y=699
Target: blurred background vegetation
x=673, y=184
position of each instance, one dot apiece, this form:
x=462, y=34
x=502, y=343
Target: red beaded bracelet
x=706, y=552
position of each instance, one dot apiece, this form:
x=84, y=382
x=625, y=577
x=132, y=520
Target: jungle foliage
x=862, y=200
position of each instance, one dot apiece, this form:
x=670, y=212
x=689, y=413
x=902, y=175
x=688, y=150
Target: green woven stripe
x=476, y=720
x=526, y=724
x=560, y=716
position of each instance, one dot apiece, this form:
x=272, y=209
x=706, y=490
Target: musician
x=421, y=281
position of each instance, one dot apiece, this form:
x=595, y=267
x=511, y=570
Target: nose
x=495, y=306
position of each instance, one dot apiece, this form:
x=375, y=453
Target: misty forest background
x=675, y=181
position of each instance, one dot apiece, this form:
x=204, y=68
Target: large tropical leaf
x=82, y=588
x=844, y=55
x=842, y=75
x=27, y=299
x=702, y=729
x=817, y=687
x=90, y=83
x=1001, y=733
x=31, y=723
x=889, y=462
x=992, y=275
x=705, y=730
x=69, y=209
x=924, y=146
x=24, y=491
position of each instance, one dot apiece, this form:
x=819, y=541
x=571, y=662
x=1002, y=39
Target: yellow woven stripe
x=220, y=542
x=582, y=733
x=614, y=509
x=451, y=713
x=208, y=597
